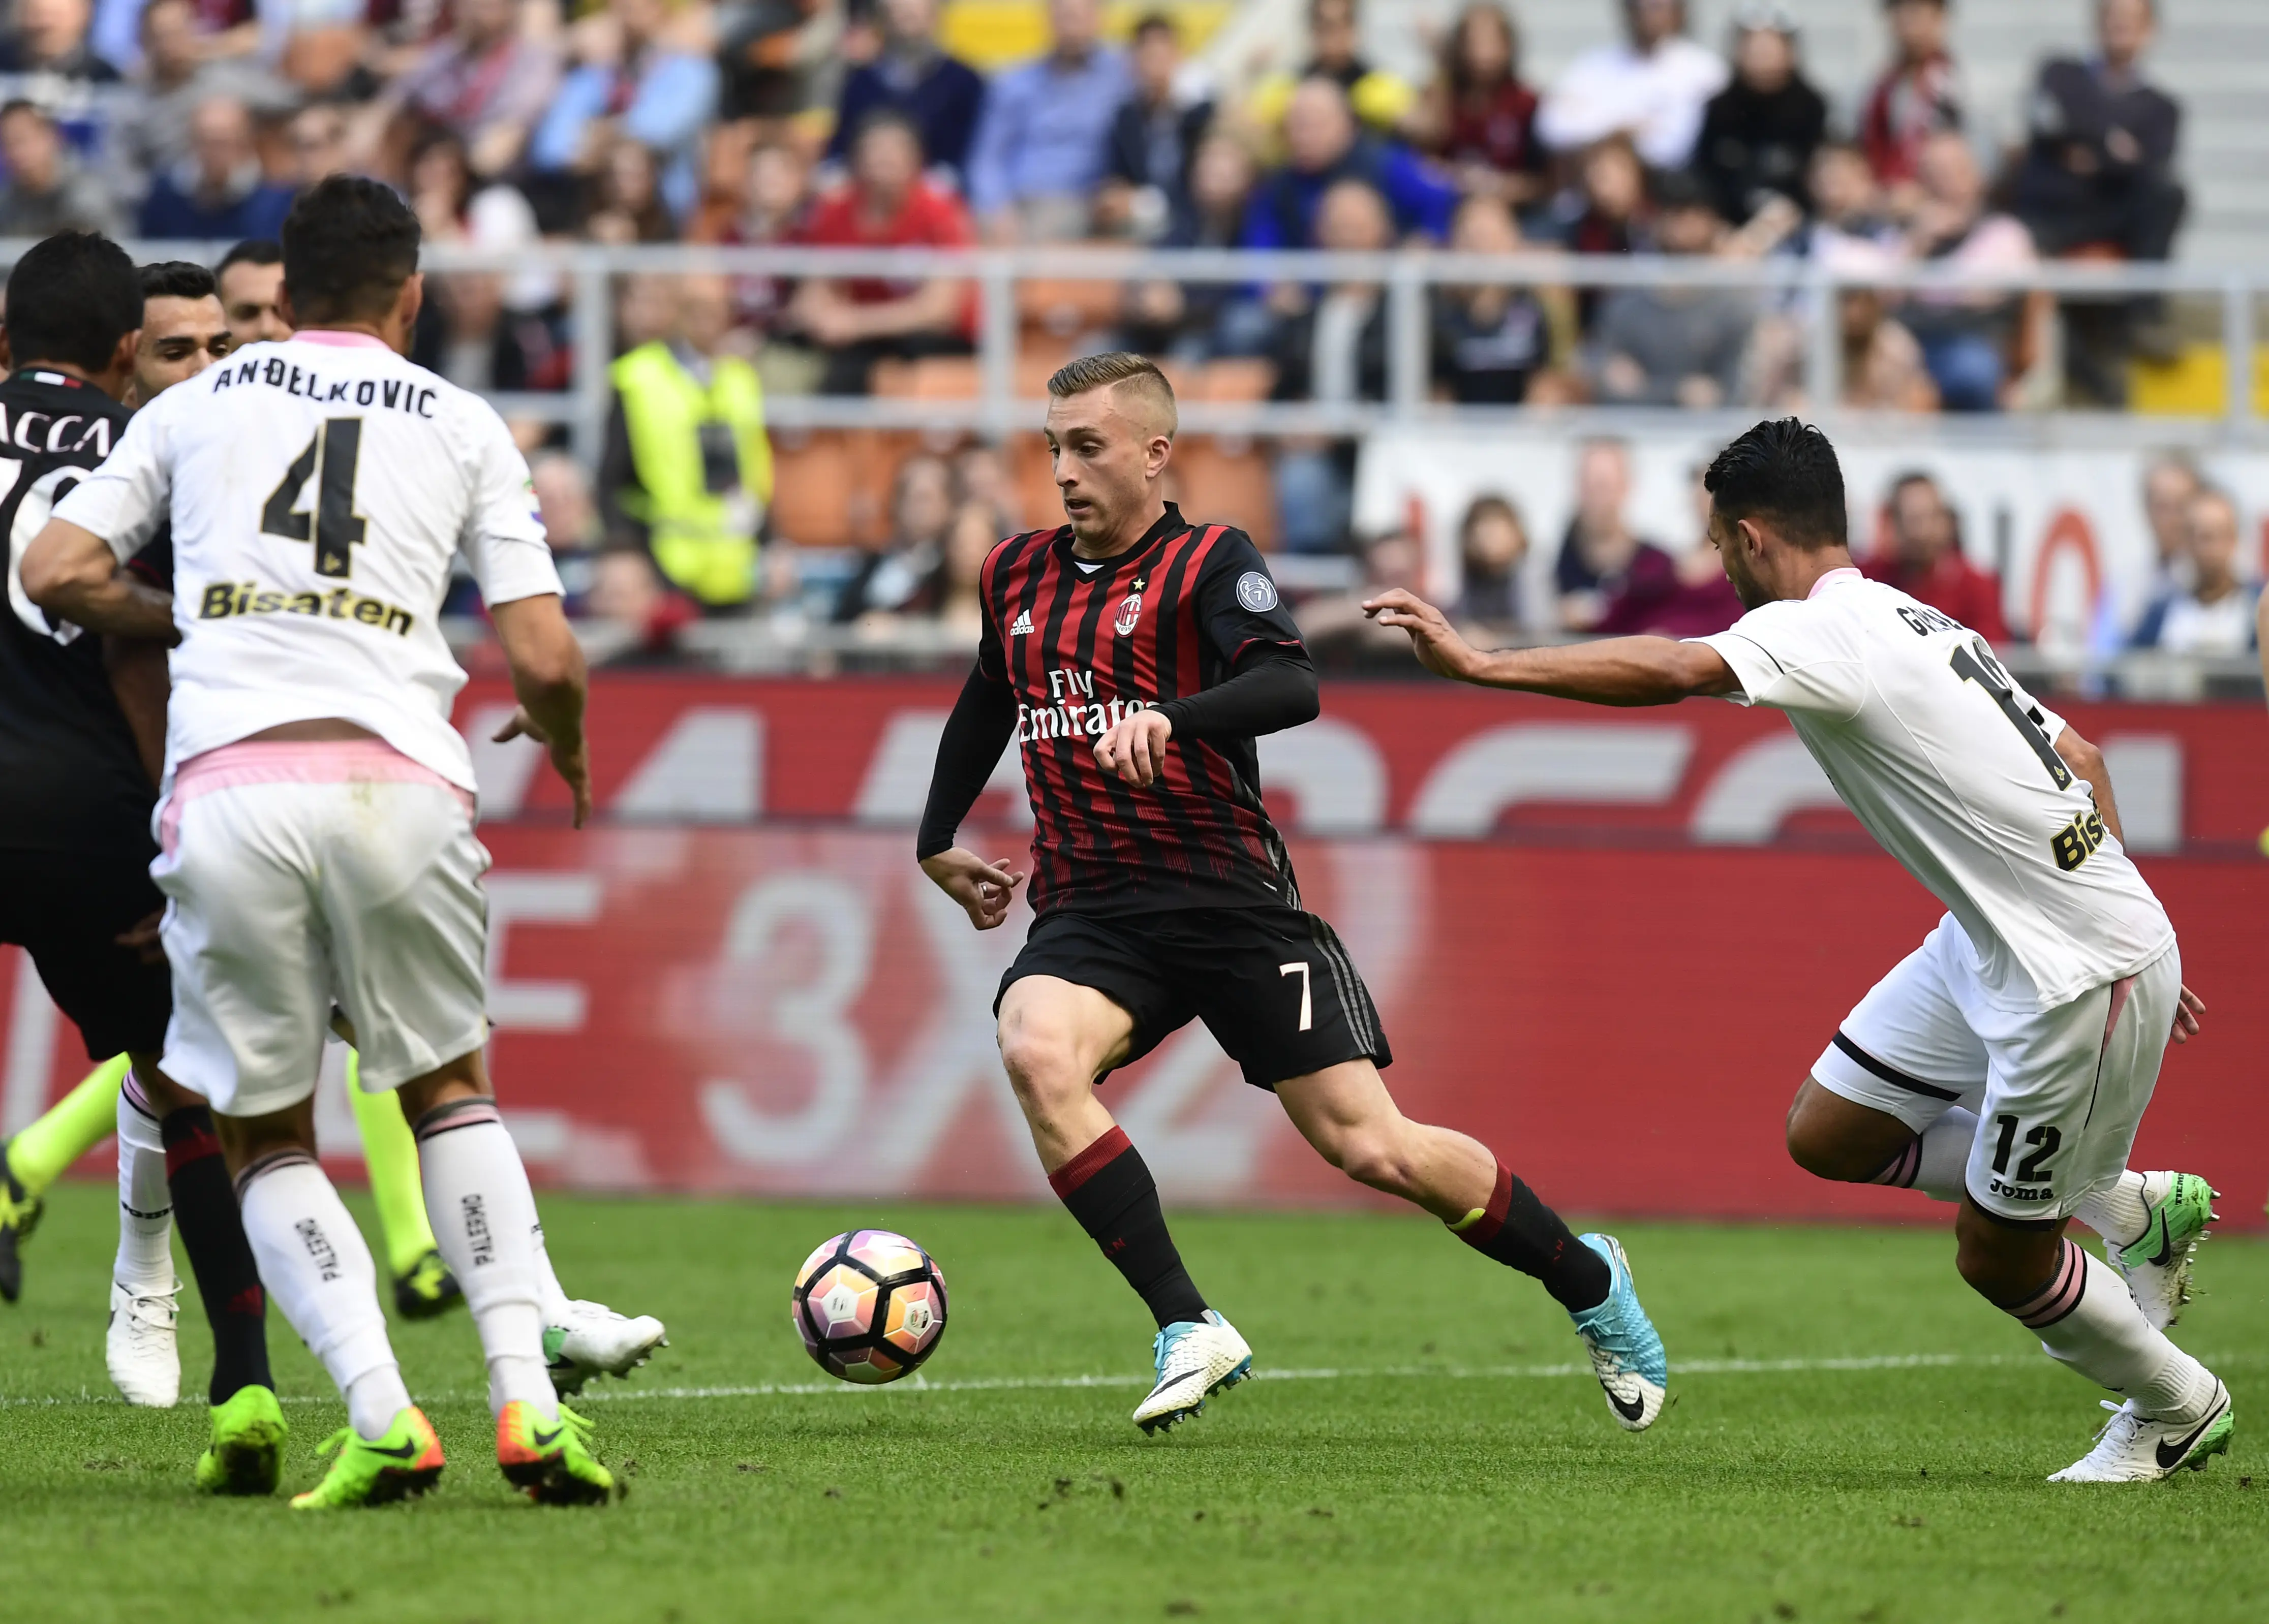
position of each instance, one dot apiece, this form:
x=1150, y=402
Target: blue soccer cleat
x=1626, y=1350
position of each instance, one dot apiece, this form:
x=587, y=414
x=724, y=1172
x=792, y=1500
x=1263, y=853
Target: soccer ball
x=870, y=1305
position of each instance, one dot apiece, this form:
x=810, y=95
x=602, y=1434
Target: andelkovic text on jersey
x=392, y=394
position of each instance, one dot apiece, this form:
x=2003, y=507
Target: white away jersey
x=318, y=489
x=1952, y=767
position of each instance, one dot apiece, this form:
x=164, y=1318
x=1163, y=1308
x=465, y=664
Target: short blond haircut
x=1114, y=369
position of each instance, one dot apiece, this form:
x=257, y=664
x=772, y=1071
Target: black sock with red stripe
x=212, y=1233
x=1522, y=1233
x=1108, y=1189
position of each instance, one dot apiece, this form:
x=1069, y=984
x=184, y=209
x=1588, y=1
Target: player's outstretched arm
x=71, y=573
x=1611, y=671
x=551, y=682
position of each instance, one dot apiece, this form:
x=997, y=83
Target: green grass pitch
x=1415, y=1456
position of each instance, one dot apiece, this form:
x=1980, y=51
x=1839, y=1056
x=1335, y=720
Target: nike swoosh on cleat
x=1176, y=1382
x=541, y=1439
x=404, y=1452
x=1632, y=1411
x=2170, y=1455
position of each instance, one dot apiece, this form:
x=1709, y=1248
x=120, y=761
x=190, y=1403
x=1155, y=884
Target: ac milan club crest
x=1131, y=610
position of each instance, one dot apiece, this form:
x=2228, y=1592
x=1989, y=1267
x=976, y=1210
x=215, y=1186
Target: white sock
x=2086, y=1319
x=2116, y=1211
x=484, y=1219
x=551, y=1296
x=145, y=1205
x=318, y=1270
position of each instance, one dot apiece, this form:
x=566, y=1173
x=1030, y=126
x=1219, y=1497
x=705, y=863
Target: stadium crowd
x=849, y=122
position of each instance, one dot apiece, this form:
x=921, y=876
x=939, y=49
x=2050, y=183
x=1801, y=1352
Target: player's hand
x=1136, y=749
x=983, y=889
x=142, y=938
x=2188, y=1008
x=571, y=758
x=1432, y=638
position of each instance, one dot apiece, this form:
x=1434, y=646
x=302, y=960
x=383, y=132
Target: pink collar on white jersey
x=1832, y=578
x=344, y=341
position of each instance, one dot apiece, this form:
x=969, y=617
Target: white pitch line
x=920, y=1384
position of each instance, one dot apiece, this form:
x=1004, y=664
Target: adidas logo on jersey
x=227, y=598
x=1021, y=625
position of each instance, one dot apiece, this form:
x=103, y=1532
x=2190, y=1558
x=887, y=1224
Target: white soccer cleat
x=145, y=1360
x=2134, y=1448
x=2156, y=1264
x=1196, y=1359
x=597, y=1341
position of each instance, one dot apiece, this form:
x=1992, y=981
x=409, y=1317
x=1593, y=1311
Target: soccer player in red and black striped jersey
x=1135, y=657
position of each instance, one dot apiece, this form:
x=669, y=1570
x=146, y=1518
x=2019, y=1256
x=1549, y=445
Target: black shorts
x=1273, y=984
x=67, y=909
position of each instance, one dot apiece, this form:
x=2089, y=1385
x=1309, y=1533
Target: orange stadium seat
x=1225, y=480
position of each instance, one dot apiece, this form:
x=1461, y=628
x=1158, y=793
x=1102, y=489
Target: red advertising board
x=739, y=980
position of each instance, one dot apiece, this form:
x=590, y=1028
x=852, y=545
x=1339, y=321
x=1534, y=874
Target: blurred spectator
x=1195, y=321
x=1600, y=214
x=885, y=203
x=1651, y=86
x=1759, y=133
x=646, y=74
x=178, y=69
x=315, y=145
x=218, y=189
x=49, y=37
x=983, y=482
x=1477, y=116
x=251, y=282
x=1663, y=346
x=1695, y=600
x=440, y=186
x=765, y=49
x=1335, y=628
x=1039, y=148
x=1336, y=51
x=1491, y=338
x=2215, y=613
x=2168, y=483
x=943, y=95
x=1847, y=205
x=2097, y=181
x=626, y=197
x=47, y=189
x=1924, y=559
x=571, y=522
x=1492, y=545
x=1153, y=139
x=1599, y=556
x=626, y=593
x=952, y=597
x=1883, y=365
x=486, y=81
x=1918, y=96
x=1965, y=337
x=1323, y=146
x=687, y=469
x=891, y=574
x=1335, y=353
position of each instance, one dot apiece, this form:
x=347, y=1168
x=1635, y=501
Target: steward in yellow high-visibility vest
x=688, y=464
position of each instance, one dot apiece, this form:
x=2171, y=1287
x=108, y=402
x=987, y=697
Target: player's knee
x=1822, y=1148
x=1043, y=1064
x=2000, y=1263
x=1373, y=1155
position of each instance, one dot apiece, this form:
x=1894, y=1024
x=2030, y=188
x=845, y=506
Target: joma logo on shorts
x=2017, y=1192
x=476, y=1231
x=320, y=1249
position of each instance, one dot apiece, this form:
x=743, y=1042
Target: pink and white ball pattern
x=870, y=1305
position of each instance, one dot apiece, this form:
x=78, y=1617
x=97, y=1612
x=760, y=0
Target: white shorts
x=2058, y=1092
x=301, y=875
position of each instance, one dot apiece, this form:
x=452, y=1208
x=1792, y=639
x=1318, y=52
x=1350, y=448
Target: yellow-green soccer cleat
x=428, y=1290
x=552, y=1461
x=19, y=1215
x=247, y=1453
x=375, y=1472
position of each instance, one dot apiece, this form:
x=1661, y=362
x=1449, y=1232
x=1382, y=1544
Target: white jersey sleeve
x=126, y=498
x=503, y=538
x=1790, y=656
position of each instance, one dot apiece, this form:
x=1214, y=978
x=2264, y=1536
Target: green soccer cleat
x=247, y=1454
x=19, y=1215
x=375, y=1472
x=552, y=1461
x=428, y=1290
x=2156, y=1264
